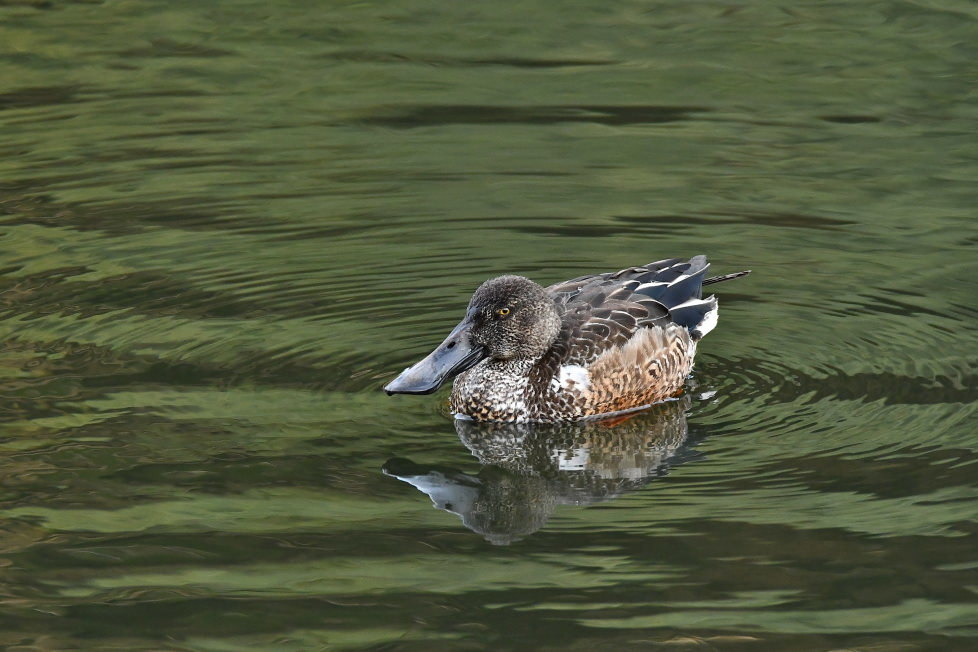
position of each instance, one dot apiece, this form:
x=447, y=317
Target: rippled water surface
x=226, y=224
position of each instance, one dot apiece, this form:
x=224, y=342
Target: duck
x=590, y=347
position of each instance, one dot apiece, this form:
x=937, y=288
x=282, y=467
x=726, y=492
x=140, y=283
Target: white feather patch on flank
x=572, y=375
x=709, y=322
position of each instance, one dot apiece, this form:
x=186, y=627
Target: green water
x=225, y=225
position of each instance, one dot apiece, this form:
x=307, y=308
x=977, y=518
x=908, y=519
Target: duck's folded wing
x=604, y=311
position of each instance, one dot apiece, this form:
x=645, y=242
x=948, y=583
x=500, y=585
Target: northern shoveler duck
x=590, y=346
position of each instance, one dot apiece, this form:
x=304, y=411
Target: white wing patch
x=571, y=376
x=709, y=322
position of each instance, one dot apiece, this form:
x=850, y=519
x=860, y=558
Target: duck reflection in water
x=529, y=469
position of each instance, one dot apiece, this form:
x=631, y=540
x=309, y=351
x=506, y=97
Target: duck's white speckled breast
x=493, y=391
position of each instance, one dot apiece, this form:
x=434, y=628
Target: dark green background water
x=226, y=224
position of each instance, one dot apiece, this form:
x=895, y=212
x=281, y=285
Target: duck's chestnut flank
x=585, y=347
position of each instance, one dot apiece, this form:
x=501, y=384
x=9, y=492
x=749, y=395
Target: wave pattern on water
x=223, y=228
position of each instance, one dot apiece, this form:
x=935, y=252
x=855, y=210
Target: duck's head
x=508, y=318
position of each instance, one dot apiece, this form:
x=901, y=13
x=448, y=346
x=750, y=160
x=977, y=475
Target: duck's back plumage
x=605, y=311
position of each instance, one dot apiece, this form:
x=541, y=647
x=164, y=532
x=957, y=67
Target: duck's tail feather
x=725, y=277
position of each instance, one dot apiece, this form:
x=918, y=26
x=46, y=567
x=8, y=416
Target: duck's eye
x=502, y=312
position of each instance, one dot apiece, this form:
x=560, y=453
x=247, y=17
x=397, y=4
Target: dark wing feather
x=605, y=310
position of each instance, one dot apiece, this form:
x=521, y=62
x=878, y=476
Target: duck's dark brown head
x=508, y=318
x=513, y=317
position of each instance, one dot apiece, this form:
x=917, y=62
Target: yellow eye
x=502, y=312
